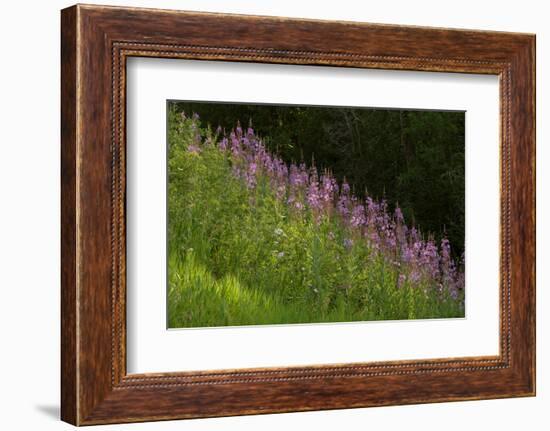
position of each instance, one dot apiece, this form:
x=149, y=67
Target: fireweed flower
x=328, y=189
x=251, y=175
x=430, y=259
x=313, y=198
x=398, y=214
x=223, y=144
x=372, y=212
x=296, y=177
x=194, y=149
x=358, y=216
x=448, y=268
x=418, y=261
x=343, y=206
x=345, y=188
x=196, y=132
x=304, y=175
x=407, y=254
x=235, y=145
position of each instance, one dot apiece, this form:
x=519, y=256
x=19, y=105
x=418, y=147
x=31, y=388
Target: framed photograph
x=265, y=214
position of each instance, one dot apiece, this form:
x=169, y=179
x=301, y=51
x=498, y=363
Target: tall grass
x=254, y=241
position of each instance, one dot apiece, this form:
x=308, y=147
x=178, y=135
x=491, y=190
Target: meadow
x=254, y=240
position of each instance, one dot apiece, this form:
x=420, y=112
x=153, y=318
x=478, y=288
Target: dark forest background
x=410, y=157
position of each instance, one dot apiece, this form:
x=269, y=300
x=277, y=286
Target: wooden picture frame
x=95, y=43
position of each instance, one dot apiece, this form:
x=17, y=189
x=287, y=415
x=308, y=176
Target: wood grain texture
x=96, y=41
x=69, y=367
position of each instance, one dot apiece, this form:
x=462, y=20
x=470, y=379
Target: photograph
x=295, y=214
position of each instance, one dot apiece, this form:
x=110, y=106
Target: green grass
x=240, y=257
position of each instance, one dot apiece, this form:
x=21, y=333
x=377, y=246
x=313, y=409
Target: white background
x=29, y=216
x=151, y=348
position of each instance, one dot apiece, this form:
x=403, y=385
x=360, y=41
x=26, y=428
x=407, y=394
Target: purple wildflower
x=418, y=261
x=223, y=144
x=358, y=216
x=194, y=149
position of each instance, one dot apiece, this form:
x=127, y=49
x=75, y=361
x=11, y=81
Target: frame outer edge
x=532, y=120
x=530, y=62
x=533, y=53
x=523, y=217
x=69, y=213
